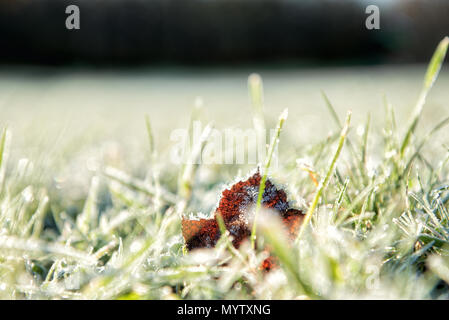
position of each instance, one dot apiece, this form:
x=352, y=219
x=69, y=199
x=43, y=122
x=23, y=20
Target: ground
x=91, y=205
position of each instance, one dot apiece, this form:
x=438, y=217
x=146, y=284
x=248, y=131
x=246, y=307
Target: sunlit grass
x=377, y=223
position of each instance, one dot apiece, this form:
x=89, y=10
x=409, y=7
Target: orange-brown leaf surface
x=233, y=207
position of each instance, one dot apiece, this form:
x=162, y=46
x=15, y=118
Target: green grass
x=377, y=223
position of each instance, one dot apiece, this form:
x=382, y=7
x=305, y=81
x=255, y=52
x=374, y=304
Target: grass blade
x=255, y=88
x=87, y=220
x=150, y=137
x=433, y=70
x=38, y=246
x=4, y=148
x=273, y=144
x=325, y=181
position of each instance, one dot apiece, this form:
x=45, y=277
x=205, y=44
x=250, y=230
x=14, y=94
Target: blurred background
x=228, y=32
x=76, y=99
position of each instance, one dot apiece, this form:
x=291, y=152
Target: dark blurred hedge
x=218, y=31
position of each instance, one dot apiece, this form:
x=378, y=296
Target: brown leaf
x=233, y=207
